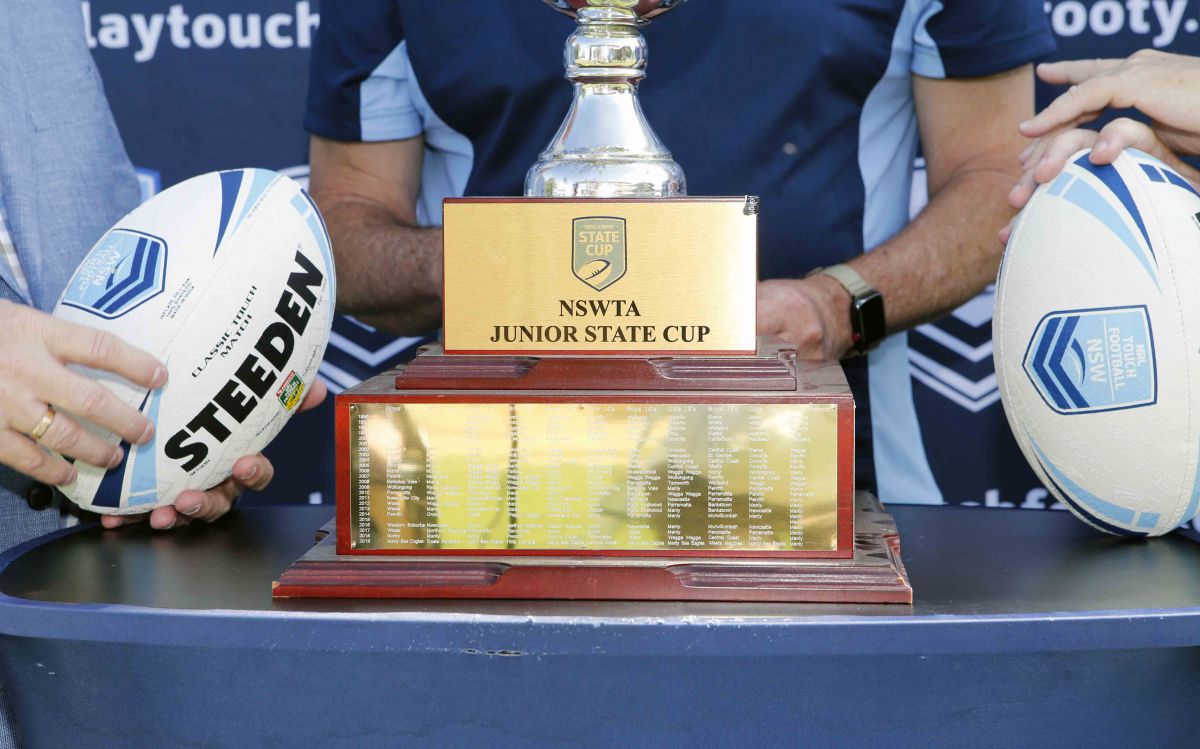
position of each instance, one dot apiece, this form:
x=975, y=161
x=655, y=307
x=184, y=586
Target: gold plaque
x=594, y=477
x=600, y=276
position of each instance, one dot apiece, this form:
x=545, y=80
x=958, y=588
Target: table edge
x=508, y=634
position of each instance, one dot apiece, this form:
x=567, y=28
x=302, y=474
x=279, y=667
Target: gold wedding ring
x=43, y=426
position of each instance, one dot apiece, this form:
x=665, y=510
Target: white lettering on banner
x=1108, y=17
x=1035, y=499
x=276, y=37
x=177, y=20
x=148, y=32
x=1068, y=18
x=245, y=32
x=209, y=31
x=205, y=31
x=1170, y=15
x=114, y=30
x=1137, y=16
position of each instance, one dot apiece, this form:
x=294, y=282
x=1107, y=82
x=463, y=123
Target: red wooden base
x=874, y=575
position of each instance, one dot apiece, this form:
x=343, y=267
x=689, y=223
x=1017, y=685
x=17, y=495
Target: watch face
x=868, y=321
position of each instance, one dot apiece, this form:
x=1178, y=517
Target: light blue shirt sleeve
x=387, y=107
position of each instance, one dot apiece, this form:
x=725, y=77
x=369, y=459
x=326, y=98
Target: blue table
x=1028, y=630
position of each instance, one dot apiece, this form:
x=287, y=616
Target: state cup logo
x=598, y=250
x=125, y=270
x=1093, y=360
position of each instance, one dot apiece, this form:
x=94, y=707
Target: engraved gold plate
x=539, y=276
x=594, y=477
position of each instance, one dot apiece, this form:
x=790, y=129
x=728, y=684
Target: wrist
x=867, y=320
x=834, y=306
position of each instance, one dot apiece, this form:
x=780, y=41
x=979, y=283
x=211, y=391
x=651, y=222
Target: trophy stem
x=605, y=148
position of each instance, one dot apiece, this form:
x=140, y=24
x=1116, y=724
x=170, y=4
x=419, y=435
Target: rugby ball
x=1097, y=342
x=228, y=279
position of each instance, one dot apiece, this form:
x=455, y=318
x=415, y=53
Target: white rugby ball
x=1097, y=342
x=228, y=279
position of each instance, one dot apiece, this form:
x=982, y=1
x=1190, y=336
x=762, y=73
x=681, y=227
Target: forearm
x=948, y=254
x=389, y=269
x=389, y=272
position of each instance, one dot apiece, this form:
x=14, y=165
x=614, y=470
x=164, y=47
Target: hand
x=1160, y=85
x=252, y=472
x=811, y=313
x=1164, y=87
x=1047, y=157
x=35, y=349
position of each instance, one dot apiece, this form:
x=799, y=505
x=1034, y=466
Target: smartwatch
x=868, y=326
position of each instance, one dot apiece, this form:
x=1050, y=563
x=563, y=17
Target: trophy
x=605, y=148
x=600, y=420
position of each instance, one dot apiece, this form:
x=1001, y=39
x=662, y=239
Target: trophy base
x=632, y=456
x=875, y=574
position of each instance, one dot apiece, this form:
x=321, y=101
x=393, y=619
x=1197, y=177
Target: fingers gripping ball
x=1097, y=342
x=228, y=278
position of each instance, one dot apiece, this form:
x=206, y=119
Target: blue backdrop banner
x=215, y=84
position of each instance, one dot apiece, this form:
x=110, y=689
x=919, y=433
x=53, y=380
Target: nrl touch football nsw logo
x=598, y=250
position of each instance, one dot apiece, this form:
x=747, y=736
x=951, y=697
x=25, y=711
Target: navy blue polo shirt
x=807, y=104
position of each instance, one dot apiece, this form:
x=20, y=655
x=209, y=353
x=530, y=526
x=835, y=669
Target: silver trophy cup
x=605, y=148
